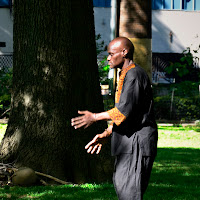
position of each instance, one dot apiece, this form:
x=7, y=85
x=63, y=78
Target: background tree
x=54, y=74
x=135, y=23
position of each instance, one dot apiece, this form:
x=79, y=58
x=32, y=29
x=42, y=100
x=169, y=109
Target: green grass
x=175, y=175
x=86, y=191
x=186, y=137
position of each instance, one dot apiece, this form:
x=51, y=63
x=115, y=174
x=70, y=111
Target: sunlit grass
x=178, y=137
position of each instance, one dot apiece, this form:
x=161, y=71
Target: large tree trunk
x=54, y=74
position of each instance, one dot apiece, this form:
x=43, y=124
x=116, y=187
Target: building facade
x=174, y=29
x=6, y=34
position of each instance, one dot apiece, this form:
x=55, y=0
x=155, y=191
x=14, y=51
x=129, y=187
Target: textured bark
x=54, y=74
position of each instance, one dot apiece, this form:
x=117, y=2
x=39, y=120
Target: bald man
x=133, y=127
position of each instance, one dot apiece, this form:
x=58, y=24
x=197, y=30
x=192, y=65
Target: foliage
x=180, y=101
x=5, y=89
x=103, y=67
x=175, y=174
x=103, y=71
x=161, y=107
x=184, y=69
x=108, y=102
x=99, y=44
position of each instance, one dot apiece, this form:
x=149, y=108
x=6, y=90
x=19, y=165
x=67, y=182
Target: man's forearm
x=102, y=116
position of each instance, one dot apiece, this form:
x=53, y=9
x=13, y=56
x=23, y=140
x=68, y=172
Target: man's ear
x=125, y=52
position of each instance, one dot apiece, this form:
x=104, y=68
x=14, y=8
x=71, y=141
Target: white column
x=113, y=19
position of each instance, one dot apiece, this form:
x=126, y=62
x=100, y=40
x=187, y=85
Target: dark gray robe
x=134, y=136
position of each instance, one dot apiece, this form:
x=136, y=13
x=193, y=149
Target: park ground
x=175, y=175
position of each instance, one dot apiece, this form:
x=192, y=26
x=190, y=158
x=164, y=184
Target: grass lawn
x=175, y=175
x=176, y=171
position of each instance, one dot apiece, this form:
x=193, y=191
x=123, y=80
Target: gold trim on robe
x=116, y=116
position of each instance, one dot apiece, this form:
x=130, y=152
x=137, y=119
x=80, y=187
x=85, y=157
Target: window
x=5, y=3
x=190, y=5
x=102, y=3
x=197, y=5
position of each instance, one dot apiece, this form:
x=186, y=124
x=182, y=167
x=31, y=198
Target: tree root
x=53, y=178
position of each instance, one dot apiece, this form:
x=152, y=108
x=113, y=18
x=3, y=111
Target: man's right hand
x=96, y=144
x=87, y=119
x=98, y=141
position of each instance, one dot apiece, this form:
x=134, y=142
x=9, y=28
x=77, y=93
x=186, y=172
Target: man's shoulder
x=137, y=68
x=136, y=72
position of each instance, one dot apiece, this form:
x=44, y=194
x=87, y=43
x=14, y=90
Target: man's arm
x=87, y=118
x=96, y=143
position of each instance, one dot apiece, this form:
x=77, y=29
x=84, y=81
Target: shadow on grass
x=88, y=191
x=175, y=175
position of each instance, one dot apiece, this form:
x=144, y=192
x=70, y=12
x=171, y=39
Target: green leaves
x=106, y=68
x=103, y=68
x=185, y=65
x=5, y=87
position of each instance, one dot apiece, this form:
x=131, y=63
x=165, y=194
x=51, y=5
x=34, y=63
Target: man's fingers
x=82, y=112
x=99, y=149
x=90, y=148
x=92, y=142
x=89, y=144
x=94, y=148
x=85, y=120
x=77, y=119
x=79, y=125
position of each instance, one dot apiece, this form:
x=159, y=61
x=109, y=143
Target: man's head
x=119, y=50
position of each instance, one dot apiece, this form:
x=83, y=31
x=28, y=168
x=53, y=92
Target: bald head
x=123, y=43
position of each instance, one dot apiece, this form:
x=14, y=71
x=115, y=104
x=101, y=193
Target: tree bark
x=54, y=74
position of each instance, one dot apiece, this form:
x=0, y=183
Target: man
x=133, y=128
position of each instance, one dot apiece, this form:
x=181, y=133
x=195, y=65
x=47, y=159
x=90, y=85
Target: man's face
x=115, y=55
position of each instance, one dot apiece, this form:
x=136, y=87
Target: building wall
x=182, y=24
x=184, y=28
x=6, y=31
x=102, y=17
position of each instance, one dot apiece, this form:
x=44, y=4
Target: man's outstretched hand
x=87, y=119
x=96, y=143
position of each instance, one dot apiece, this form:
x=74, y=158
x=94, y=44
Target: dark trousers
x=131, y=174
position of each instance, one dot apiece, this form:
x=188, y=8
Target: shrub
x=177, y=101
x=185, y=69
x=5, y=89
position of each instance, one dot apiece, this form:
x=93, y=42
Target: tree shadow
x=105, y=191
